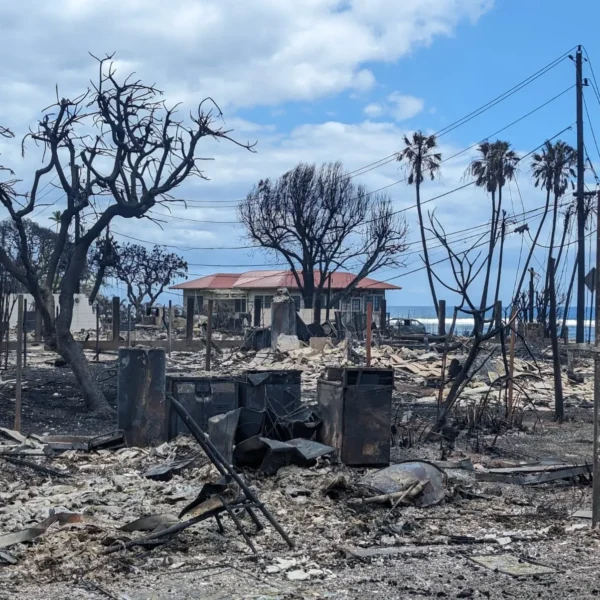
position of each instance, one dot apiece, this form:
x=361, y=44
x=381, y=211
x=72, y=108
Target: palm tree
x=422, y=160
x=56, y=215
x=496, y=165
x=554, y=170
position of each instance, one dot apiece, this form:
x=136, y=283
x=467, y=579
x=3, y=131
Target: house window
x=377, y=303
x=200, y=302
x=267, y=301
x=356, y=305
x=240, y=305
x=298, y=302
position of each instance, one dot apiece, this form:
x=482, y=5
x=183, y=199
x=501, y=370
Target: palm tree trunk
x=488, y=269
x=424, y=242
x=500, y=255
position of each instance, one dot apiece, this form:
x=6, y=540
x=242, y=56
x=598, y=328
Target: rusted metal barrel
x=141, y=395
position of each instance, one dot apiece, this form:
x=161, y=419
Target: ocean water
x=464, y=323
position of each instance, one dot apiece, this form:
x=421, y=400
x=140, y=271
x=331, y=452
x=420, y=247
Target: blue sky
x=313, y=81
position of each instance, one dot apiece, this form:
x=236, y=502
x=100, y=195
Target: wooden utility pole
x=19, y=363
x=531, y=294
x=209, y=335
x=369, y=331
x=579, y=331
x=559, y=409
x=596, y=474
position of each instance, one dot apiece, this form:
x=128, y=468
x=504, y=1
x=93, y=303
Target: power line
x=477, y=111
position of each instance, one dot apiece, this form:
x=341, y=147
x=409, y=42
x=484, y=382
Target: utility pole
x=596, y=471
x=531, y=294
x=580, y=330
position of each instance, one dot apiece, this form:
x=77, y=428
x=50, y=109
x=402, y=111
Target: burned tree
x=115, y=151
x=320, y=222
x=145, y=272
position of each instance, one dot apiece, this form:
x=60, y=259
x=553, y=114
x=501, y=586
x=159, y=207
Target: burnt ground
x=434, y=561
x=51, y=399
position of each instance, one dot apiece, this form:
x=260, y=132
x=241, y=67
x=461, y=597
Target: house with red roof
x=252, y=292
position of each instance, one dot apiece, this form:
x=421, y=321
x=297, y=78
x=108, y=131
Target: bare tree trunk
x=424, y=242
x=569, y=292
x=66, y=346
x=493, y=230
x=559, y=409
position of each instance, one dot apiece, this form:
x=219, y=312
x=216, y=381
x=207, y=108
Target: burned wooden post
x=116, y=318
x=559, y=409
x=19, y=376
x=128, y=325
x=369, y=331
x=383, y=316
x=498, y=317
x=189, y=318
x=441, y=317
x=209, y=335
x=97, y=332
x=257, y=311
x=24, y=332
x=141, y=390
x=169, y=327
x=511, y=364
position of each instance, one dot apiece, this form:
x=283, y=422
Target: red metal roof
x=274, y=280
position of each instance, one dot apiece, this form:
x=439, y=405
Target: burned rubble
x=377, y=503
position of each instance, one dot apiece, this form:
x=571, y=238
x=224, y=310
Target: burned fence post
x=116, y=318
x=128, y=325
x=369, y=331
x=19, y=363
x=498, y=317
x=24, y=332
x=257, y=311
x=441, y=317
x=559, y=408
x=97, y=331
x=531, y=294
x=189, y=318
x=383, y=316
x=209, y=335
x=141, y=395
x=170, y=327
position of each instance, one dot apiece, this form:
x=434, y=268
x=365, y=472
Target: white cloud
x=263, y=52
x=404, y=107
x=373, y=110
x=397, y=105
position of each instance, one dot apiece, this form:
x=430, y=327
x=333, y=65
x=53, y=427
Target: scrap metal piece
x=512, y=565
x=308, y=450
x=113, y=440
x=165, y=472
x=533, y=474
x=222, y=431
x=150, y=523
x=30, y=533
x=400, y=477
